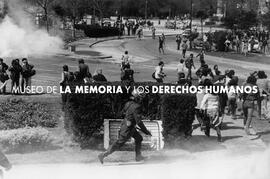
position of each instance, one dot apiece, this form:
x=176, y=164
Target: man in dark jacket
x=128, y=128
x=99, y=77
x=3, y=75
x=27, y=73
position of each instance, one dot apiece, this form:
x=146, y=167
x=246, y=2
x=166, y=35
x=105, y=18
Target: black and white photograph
x=135, y=89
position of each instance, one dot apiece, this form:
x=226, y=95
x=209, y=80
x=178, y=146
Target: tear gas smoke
x=19, y=37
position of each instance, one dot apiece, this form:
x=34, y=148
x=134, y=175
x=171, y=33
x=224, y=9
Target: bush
x=16, y=113
x=96, y=31
x=177, y=117
x=21, y=140
x=85, y=112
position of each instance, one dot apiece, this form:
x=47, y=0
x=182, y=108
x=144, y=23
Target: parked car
x=186, y=33
x=169, y=25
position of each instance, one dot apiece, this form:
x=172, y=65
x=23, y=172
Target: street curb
x=125, y=37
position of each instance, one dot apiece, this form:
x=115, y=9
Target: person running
x=184, y=48
x=249, y=101
x=161, y=44
x=128, y=129
x=15, y=72
x=189, y=64
x=27, y=73
x=210, y=104
x=159, y=74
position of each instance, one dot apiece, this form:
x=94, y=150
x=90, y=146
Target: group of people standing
x=83, y=75
x=19, y=74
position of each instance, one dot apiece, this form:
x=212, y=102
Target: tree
x=45, y=5
x=266, y=20
x=241, y=20
x=72, y=9
x=202, y=15
x=99, y=5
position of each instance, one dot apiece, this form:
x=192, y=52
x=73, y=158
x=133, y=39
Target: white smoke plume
x=19, y=37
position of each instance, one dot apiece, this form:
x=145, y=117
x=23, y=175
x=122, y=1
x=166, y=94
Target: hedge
x=96, y=31
x=25, y=140
x=16, y=113
x=177, y=117
x=85, y=113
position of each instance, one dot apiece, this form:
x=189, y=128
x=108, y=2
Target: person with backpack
x=27, y=73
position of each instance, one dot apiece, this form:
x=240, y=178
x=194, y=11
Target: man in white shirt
x=181, y=66
x=159, y=75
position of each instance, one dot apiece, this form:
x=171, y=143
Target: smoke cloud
x=19, y=37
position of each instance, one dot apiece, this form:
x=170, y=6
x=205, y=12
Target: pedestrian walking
x=178, y=41
x=210, y=104
x=184, y=48
x=189, y=64
x=161, y=45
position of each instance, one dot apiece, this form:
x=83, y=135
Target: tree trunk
x=202, y=26
x=46, y=20
x=73, y=29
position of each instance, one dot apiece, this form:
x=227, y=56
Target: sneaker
x=140, y=158
x=220, y=139
x=101, y=158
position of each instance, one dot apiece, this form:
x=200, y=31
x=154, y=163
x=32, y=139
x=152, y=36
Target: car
x=186, y=33
x=169, y=25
